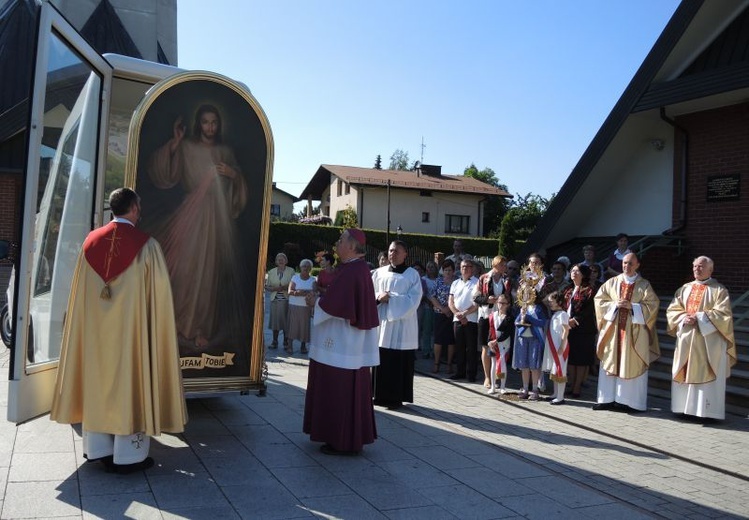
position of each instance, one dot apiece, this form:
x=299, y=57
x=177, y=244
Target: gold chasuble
x=626, y=349
x=119, y=369
x=697, y=357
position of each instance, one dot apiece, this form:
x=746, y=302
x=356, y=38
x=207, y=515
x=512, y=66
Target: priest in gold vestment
x=119, y=373
x=626, y=311
x=701, y=319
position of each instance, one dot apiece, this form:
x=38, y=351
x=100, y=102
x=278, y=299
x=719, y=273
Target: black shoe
x=103, y=460
x=604, y=406
x=622, y=408
x=327, y=449
x=457, y=376
x=107, y=462
x=126, y=469
x=395, y=406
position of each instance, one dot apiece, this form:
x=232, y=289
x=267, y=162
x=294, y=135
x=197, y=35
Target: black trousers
x=466, y=349
x=393, y=379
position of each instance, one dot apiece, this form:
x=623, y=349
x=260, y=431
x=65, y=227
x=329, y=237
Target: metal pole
x=387, y=231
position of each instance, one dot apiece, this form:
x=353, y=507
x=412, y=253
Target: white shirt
x=301, y=285
x=462, y=293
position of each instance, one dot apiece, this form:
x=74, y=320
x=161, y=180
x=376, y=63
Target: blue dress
x=529, y=349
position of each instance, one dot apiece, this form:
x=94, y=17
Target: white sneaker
x=491, y=391
x=502, y=391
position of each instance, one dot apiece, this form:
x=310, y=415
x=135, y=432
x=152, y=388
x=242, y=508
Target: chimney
x=430, y=170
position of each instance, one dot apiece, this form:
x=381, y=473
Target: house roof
x=398, y=179
x=293, y=198
x=693, y=58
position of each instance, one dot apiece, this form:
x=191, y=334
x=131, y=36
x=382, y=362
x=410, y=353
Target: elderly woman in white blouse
x=302, y=294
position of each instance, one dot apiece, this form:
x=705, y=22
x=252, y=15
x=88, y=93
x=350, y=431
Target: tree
x=521, y=220
x=496, y=207
x=399, y=160
x=378, y=162
x=302, y=213
x=346, y=218
x=486, y=175
x=508, y=235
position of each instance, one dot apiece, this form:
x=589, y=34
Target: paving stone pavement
x=455, y=453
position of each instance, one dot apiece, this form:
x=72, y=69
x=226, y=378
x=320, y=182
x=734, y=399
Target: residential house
x=419, y=201
x=281, y=204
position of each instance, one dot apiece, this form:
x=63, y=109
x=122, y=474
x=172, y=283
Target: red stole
x=111, y=249
x=695, y=298
x=557, y=375
x=625, y=293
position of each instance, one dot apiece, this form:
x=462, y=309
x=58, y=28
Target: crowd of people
x=363, y=327
x=555, y=329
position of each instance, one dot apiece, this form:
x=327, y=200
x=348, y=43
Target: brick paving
x=455, y=453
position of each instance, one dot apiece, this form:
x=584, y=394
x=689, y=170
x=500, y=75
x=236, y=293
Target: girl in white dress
x=556, y=350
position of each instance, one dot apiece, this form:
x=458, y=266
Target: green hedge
x=300, y=241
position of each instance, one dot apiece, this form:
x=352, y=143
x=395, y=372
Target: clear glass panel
x=126, y=94
x=65, y=197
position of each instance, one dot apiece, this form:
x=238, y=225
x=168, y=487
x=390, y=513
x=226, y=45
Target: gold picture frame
x=200, y=155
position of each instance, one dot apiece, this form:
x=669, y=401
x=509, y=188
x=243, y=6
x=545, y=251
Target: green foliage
x=521, y=220
x=495, y=207
x=378, y=162
x=508, y=235
x=300, y=241
x=399, y=160
x=302, y=213
x=346, y=218
x=486, y=175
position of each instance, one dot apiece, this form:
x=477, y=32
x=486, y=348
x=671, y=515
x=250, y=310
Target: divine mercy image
x=198, y=205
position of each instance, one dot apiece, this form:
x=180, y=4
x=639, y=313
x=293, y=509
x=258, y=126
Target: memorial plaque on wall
x=723, y=187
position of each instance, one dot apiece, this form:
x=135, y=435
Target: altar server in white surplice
x=700, y=317
x=398, y=291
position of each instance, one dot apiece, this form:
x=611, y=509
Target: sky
x=519, y=86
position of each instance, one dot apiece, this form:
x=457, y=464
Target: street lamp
x=399, y=231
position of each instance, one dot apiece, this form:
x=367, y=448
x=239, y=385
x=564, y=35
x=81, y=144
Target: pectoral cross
x=113, y=252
